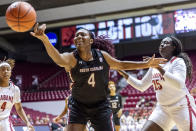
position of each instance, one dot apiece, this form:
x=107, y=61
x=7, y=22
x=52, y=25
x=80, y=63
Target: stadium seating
x=27, y=70
x=45, y=95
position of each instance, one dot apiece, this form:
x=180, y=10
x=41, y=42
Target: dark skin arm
x=56, y=119
x=132, y=65
x=65, y=60
x=124, y=74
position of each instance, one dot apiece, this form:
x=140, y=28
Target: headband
x=4, y=64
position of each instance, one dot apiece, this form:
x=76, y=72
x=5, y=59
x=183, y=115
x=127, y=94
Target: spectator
x=35, y=82
x=19, y=80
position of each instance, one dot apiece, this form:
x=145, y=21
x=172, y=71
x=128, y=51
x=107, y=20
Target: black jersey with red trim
x=115, y=103
x=90, y=79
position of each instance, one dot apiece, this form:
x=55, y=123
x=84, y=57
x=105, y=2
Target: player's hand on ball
x=39, y=31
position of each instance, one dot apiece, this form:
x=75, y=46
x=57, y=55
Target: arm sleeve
x=143, y=84
x=177, y=76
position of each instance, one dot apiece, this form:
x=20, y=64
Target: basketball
x=20, y=16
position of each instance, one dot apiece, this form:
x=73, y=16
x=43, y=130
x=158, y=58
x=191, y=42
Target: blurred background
x=135, y=27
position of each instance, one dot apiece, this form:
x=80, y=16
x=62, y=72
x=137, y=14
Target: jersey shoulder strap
x=99, y=55
x=76, y=55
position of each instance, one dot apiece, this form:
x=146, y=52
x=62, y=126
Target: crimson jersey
x=90, y=79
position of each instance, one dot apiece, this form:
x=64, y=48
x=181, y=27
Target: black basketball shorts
x=99, y=114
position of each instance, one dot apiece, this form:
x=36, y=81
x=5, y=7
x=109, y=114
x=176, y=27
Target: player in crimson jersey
x=9, y=96
x=175, y=105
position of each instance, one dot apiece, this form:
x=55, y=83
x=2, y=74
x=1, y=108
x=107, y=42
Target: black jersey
x=115, y=103
x=90, y=79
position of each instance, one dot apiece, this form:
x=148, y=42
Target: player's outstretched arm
x=140, y=85
x=132, y=65
x=62, y=60
x=23, y=116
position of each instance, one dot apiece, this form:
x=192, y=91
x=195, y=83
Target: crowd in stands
x=134, y=118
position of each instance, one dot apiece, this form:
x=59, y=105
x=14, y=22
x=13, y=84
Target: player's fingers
x=146, y=58
x=161, y=60
x=153, y=56
x=36, y=27
x=39, y=32
x=44, y=27
x=41, y=29
x=32, y=33
x=55, y=121
x=31, y=128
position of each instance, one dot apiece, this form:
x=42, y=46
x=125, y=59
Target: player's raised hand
x=154, y=62
x=39, y=31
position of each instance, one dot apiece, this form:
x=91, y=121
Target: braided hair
x=102, y=43
x=179, y=53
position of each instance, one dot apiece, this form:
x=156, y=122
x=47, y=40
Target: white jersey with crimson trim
x=8, y=97
x=170, y=87
x=173, y=82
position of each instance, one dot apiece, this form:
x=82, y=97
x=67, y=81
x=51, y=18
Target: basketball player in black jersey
x=88, y=68
x=115, y=104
